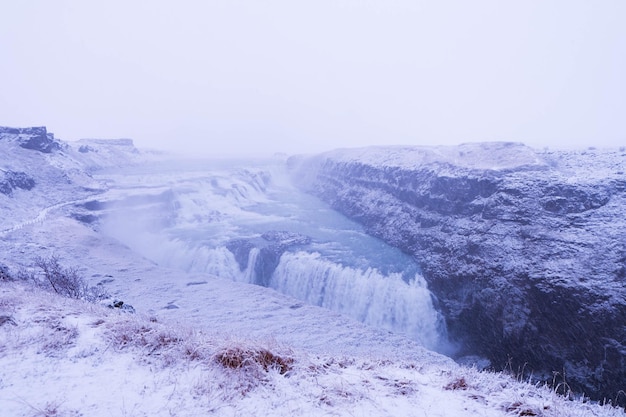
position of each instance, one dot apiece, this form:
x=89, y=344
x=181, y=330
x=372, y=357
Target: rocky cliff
x=525, y=250
x=35, y=138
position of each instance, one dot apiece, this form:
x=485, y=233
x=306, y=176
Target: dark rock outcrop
x=12, y=180
x=5, y=274
x=526, y=252
x=35, y=138
x=118, y=304
x=8, y=320
x=268, y=260
x=241, y=249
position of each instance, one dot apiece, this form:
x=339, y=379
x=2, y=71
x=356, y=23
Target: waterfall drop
x=366, y=295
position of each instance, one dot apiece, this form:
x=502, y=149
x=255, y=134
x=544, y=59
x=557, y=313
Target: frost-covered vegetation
x=66, y=357
x=48, y=273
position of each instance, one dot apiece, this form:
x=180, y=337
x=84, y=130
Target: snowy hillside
x=62, y=357
x=198, y=344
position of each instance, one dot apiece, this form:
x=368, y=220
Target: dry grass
x=519, y=408
x=457, y=384
x=50, y=409
x=174, y=344
x=241, y=358
x=156, y=342
x=57, y=338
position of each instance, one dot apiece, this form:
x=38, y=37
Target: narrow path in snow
x=42, y=215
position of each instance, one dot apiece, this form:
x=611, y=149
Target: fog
x=257, y=77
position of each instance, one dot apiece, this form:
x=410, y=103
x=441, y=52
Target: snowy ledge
x=481, y=156
x=62, y=357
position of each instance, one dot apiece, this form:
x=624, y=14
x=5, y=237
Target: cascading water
x=384, y=301
x=249, y=274
x=238, y=224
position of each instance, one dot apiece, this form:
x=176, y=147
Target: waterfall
x=249, y=272
x=214, y=221
x=383, y=301
x=216, y=261
x=181, y=255
x=380, y=300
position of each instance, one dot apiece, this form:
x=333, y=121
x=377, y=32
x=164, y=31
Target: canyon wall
x=525, y=250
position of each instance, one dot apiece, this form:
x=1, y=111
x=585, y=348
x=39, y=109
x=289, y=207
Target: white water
x=381, y=301
x=343, y=269
x=249, y=275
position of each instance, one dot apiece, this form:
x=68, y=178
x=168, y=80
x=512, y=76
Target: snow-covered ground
x=487, y=155
x=63, y=357
x=200, y=344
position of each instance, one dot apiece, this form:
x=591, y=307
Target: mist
x=254, y=78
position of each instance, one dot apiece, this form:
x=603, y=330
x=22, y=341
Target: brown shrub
x=459, y=383
x=238, y=358
x=522, y=409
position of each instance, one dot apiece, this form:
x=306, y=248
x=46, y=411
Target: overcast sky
x=303, y=76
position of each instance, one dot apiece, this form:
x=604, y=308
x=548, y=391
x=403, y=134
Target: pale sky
x=238, y=76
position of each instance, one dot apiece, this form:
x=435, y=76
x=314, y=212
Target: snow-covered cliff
x=525, y=250
x=39, y=173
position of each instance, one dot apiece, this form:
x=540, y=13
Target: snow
x=64, y=357
x=578, y=166
x=71, y=358
x=486, y=155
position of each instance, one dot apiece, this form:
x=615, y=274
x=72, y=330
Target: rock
x=35, y=138
x=268, y=260
x=12, y=180
x=286, y=238
x=118, y=304
x=241, y=249
x=128, y=308
x=5, y=275
x=7, y=320
x=94, y=205
x=526, y=252
x=85, y=218
x=192, y=283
